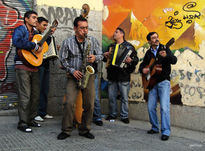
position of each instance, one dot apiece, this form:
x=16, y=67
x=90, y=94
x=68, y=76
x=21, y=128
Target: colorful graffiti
x=184, y=20
x=11, y=16
x=10, y=19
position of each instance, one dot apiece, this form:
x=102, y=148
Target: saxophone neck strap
x=79, y=46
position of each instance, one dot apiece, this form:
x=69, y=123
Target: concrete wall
x=181, y=116
x=65, y=12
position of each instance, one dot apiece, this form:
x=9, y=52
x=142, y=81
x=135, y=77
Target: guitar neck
x=44, y=37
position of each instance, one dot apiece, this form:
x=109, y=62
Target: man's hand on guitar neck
x=163, y=53
x=145, y=70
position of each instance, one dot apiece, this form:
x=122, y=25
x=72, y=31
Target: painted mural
x=184, y=20
x=11, y=16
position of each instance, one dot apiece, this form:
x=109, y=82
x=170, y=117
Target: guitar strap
x=79, y=47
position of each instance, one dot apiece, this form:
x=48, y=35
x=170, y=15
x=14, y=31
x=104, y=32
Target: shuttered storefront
x=11, y=16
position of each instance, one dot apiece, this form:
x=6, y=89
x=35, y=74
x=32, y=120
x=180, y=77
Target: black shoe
x=152, y=132
x=34, y=124
x=111, y=118
x=24, y=127
x=87, y=135
x=98, y=123
x=164, y=137
x=125, y=120
x=62, y=136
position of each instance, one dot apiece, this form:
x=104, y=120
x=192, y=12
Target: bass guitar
x=149, y=80
x=32, y=57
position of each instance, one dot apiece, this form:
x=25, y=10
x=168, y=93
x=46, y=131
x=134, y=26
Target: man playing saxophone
x=73, y=53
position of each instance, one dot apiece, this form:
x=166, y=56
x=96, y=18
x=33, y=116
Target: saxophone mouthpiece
x=85, y=35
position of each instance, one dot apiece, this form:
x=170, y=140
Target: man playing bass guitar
x=161, y=89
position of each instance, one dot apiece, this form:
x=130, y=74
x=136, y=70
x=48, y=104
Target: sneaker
x=24, y=128
x=34, y=124
x=48, y=116
x=111, y=118
x=38, y=118
x=125, y=120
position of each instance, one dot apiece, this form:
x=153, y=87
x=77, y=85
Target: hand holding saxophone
x=77, y=74
x=91, y=58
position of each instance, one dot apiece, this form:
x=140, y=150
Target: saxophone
x=86, y=70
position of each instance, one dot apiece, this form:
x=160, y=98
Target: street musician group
x=79, y=56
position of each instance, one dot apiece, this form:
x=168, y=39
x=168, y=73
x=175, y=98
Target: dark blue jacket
x=20, y=40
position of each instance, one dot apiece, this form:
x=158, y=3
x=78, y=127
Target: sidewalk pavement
x=112, y=136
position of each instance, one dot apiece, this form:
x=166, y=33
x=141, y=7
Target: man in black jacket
x=161, y=88
x=119, y=77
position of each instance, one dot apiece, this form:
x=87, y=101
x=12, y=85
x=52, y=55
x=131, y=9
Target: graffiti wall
x=11, y=13
x=65, y=13
x=184, y=20
x=11, y=16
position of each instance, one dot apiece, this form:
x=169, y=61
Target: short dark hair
x=150, y=34
x=41, y=19
x=28, y=14
x=77, y=19
x=122, y=31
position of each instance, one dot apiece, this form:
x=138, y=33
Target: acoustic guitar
x=32, y=57
x=149, y=80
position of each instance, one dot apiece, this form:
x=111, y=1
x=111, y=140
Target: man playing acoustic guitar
x=160, y=88
x=27, y=77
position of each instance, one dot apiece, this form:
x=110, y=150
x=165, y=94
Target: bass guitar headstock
x=85, y=10
x=54, y=24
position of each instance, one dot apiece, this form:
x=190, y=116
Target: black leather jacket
x=118, y=74
x=165, y=62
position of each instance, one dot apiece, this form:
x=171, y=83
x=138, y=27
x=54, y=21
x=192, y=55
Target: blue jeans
x=44, y=88
x=161, y=91
x=97, y=108
x=123, y=88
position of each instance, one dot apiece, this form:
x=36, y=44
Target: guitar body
x=148, y=80
x=30, y=58
x=145, y=79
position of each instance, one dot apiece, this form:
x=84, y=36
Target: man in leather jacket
x=119, y=77
x=161, y=89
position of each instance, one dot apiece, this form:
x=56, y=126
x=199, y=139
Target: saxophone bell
x=89, y=71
